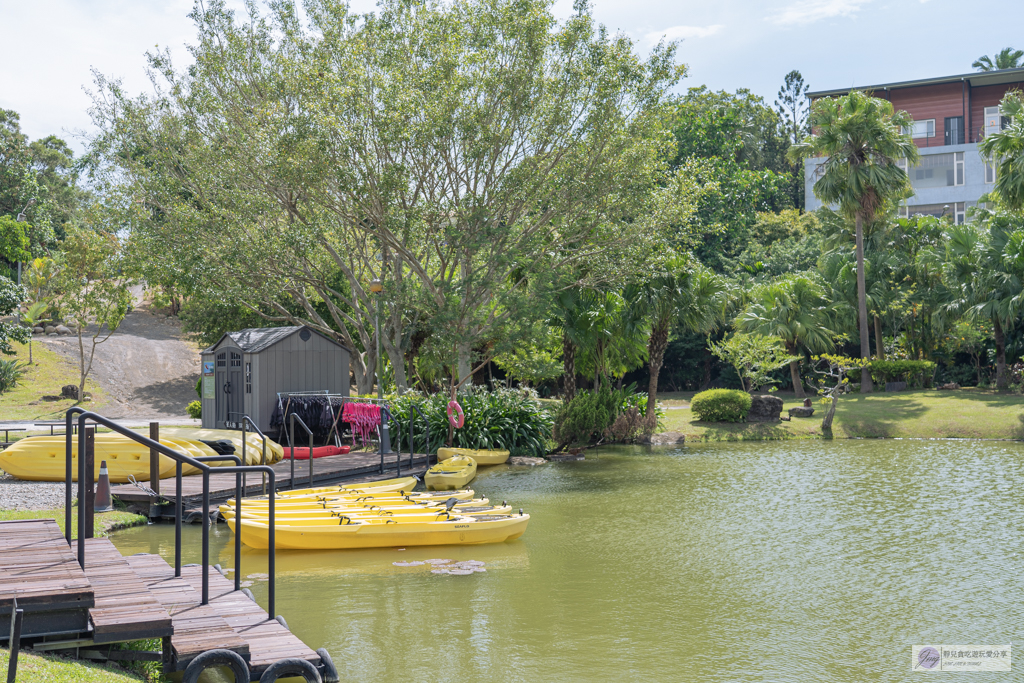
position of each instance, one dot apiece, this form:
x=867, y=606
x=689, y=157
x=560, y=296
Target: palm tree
x=1007, y=58
x=794, y=309
x=862, y=139
x=1006, y=149
x=684, y=293
x=984, y=265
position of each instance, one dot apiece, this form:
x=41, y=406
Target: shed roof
x=256, y=339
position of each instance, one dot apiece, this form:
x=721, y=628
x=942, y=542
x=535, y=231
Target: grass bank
x=926, y=413
x=33, y=668
x=47, y=374
x=103, y=523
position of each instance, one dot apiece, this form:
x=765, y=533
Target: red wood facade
x=955, y=97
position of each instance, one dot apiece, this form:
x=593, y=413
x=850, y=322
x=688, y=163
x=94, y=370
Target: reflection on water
x=807, y=561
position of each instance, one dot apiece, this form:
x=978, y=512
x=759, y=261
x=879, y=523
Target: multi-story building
x=951, y=115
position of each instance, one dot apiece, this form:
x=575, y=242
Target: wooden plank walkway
x=125, y=608
x=38, y=567
x=197, y=628
x=325, y=471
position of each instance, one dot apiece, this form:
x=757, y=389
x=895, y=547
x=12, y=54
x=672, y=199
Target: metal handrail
x=248, y=420
x=291, y=443
x=179, y=458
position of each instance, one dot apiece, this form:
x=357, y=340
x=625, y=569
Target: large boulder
x=63, y=329
x=69, y=391
x=801, y=411
x=50, y=329
x=764, y=409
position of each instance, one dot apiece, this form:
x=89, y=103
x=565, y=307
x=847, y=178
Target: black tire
x=292, y=666
x=330, y=673
x=227, y=658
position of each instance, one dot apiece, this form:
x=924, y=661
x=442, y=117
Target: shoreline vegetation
x=924, y=414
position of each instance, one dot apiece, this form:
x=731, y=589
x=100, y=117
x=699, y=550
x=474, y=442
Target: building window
x=954, y=211
x=938, y=170
x=248, y=378
x=959, y=213
x=921, y=129
x=994, y=120
x=236, y=360
x=221, y=360
x=990, y=172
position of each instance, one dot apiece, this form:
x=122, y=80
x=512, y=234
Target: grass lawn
x=103, y=524
x=47, y=374
x=926, y=413
x=34, y=668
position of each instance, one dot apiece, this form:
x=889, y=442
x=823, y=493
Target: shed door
x=222, y=389
x=230, y=388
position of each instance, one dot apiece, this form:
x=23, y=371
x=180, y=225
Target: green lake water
x=800, y=561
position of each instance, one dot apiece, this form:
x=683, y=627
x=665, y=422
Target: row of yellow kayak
x=383, y=514
x=43, y=458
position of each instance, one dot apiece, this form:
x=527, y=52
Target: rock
x=63, y=329
x=664, y=439
x=785, y=418
x=764, y=409
x=51, y=398
x=51, y=334
x=801, y=411
x=49, y=329
x=949, y=386
x=523, y=460
x=37, y=330
x=895, y=386
x=69, y=391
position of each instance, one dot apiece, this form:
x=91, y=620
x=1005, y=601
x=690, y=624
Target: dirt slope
x=148, y=369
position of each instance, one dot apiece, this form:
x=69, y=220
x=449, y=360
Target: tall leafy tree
x=682, y=292
x=793, y=106
x=793, y=309
x=861, y=139
x=1007, y=58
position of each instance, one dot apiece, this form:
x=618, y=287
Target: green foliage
x=11, y=297
x=586, y=417
x=11, y=372
x=721, y=405
x=533, y=362
x=911, y=371
x=195, y=410
x=1007, y=58
x=503, y=419
x=14, y=244
x=754, y=357
x=1005, y=150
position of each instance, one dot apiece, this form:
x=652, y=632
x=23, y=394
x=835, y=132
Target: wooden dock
x=118, y=599
x=357, y=466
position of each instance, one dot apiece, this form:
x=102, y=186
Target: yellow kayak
x=313, y=518
x=482, y=457
x=452, y=474
x=42, y=458
x=253, y=442
x=402, y=484
x=384, y=533
x=370, y=499
x=383, y=509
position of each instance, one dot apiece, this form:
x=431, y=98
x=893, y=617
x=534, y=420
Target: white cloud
x=809, y=11
x=684, y=32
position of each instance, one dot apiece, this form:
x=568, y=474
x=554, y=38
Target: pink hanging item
x=364, y=418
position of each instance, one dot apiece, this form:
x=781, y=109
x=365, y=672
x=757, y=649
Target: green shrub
x=721, y=405
x=195, y=410
x=586, y=417
x=915, y=372
x=503, y=419
x=11, y=372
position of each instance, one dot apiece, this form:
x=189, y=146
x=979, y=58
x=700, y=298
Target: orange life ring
x=454, y=407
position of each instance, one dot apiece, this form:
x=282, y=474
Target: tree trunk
x=364, y=376
x=1001, y=379
x=656, y=355
x=862, y=308
x=798, y=384
x=397, y=367
x=568, y=367
x=879, y=342
x=826, y=422
x=465, y=366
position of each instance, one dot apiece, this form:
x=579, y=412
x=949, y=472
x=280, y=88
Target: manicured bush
x=586, y=417
x=195, y=410
x=915, y=372
x=11, y=372
x=501, y=420
x=721, y=405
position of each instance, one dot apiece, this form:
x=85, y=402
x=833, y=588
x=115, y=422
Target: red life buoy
x=454, y=407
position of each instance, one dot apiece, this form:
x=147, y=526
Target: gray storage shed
x=244, y=371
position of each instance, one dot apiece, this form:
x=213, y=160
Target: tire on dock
x=210, y=658
x=291, y=666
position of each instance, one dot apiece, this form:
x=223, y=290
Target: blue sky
x=50, y=46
